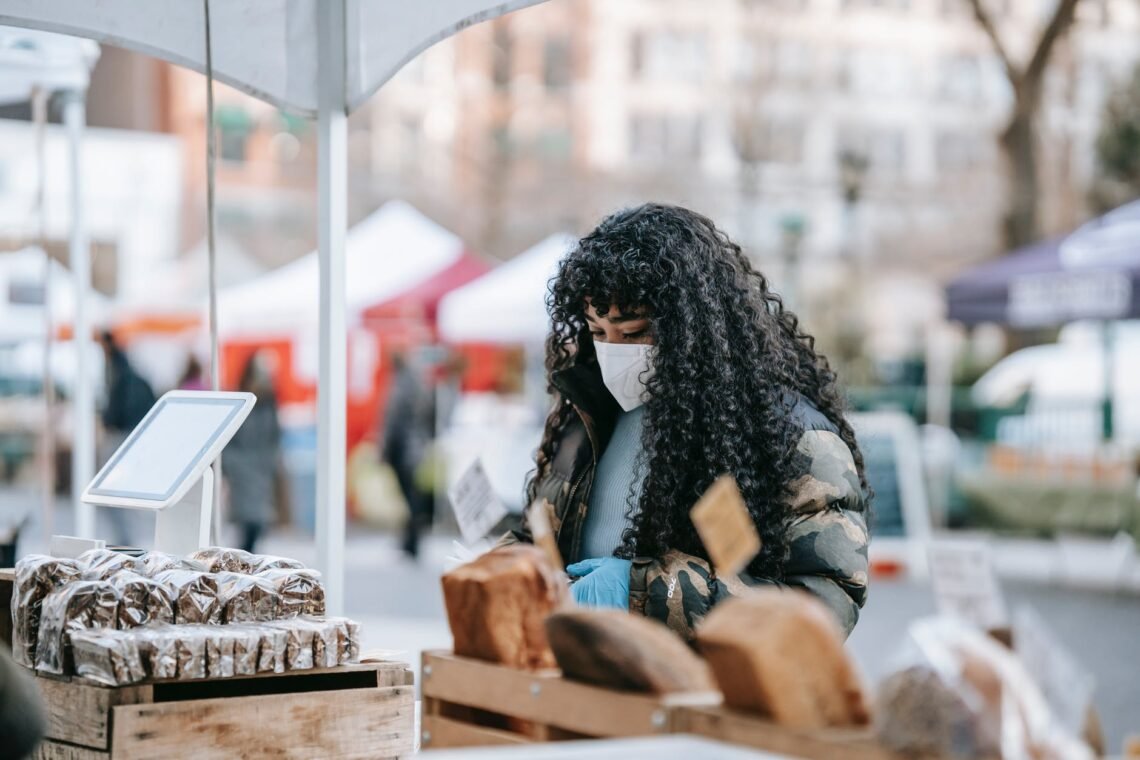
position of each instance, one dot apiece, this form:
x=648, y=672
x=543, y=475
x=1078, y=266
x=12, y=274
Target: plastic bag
x=37, y=576
x=107, y=657
x=101, y=564
x=262, y=562
x=299, y=635
x=301, y=591
x=960, y=694
x=272, y=650
x=190, y=646
x=247, y=598
x=348, y=640
x=142, y=600
x=326, y=643
x=195, y=596
x=158, y=647
x=246, y=645
x=218, y=559
x=219, y=652
x=159, y=562
x=77, y=606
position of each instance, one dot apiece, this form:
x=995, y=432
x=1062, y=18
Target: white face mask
x=625, y=371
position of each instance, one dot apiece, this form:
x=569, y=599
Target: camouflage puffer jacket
x=828, y=540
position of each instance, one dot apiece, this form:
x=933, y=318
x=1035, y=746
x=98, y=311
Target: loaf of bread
x=101, y=564
x=158, y=647
x=154, y=563
x=780, y=653
x=262, y=562
x=190, y=645
x=247, y=598
x=498, y=603
x=142, y=600
x=271, y=651
x=218, y=559
x=107, y=657
x=195, y=596
x=920, y=714
x=246, y=643
x=615, y=649
x=348, y=640
x=301, y=591
x=78, y=606
x=219, y=652
x=37, y=576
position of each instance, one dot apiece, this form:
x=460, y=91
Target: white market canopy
x=267, y=48
x=315, y=57
x=32, y=60
x=508, y=304
x=389, y=252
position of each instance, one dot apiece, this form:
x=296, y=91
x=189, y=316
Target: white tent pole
x=212, y=261
x=332, y=189
x=83, y=400
x=47, y=469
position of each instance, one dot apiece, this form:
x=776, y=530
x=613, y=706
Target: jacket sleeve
x=827, y=554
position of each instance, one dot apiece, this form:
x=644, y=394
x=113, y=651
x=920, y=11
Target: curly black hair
x=727, y=354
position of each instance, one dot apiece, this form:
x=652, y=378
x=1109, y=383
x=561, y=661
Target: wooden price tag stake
x=539, y=521
x=725, y=527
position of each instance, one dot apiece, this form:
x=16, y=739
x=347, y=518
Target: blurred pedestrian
x=249, y=464
x=193, y=378
x=129, y=398
x=408, y=428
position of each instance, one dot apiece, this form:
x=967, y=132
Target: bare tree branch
x=1031, y=82
x=986, y=21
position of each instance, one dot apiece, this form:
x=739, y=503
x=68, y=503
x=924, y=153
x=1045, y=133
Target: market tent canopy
x=1094, y=273
x=422, y=301
x=22, y=307
x=32, y=60
x=267, y=48
x=388, y=253
x=507, y=305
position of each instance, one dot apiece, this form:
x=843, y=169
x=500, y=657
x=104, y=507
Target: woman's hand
x=603, y=582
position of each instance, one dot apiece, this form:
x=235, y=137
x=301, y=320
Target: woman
x=249, y=463
x=671, y=363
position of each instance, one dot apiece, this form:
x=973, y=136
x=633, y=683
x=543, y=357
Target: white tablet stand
x=165, y=465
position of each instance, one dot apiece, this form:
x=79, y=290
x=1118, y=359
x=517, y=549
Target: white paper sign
x=1068, y=687
x=477, y=508
x=964, y=582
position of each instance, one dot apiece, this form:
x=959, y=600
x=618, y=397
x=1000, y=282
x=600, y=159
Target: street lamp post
x=853, y=167
x=792, y=226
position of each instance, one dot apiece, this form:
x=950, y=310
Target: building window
x=669, y=56
x=234, y=125
x=960, y=152
x=501, y=52
x=873, y=72
x=656, y=137
x=960, y=79
x=883, y=147
x=557, y=63
x=755, y=60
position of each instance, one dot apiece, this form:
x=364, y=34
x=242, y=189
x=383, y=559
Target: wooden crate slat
x=358, y=723
x=546, y=698
x=753, y=731
x=79, y=714
x=51, y=750
x=439, y=732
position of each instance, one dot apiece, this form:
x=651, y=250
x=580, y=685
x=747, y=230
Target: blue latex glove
x=603, y=582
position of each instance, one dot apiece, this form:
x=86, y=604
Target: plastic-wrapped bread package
x=159, y=562
x=301, y=591
x=497, y=606
x=108, y=657
x=191, y=650
x=348, y=640
x=218, y=559
x=780, y=653
x=960, y=694
x=219, y=652
x=78, y=606
x=326, y=642
x=37, y=576
x=263, y=562
x=195, y=596
x=299, y=635
x=101, y=564
x=159, y=649
x=272, y=650
x=618, y=650
x=247, y=598
x=246, y=645
x=142, y=600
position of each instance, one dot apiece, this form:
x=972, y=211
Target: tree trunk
x=1019, y=146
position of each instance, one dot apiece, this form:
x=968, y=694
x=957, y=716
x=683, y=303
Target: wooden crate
x=734, y=727
x=352, y=711
x=474, y=703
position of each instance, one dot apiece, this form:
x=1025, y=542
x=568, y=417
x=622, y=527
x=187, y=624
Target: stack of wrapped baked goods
x=773, y=652
x=119, y=619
